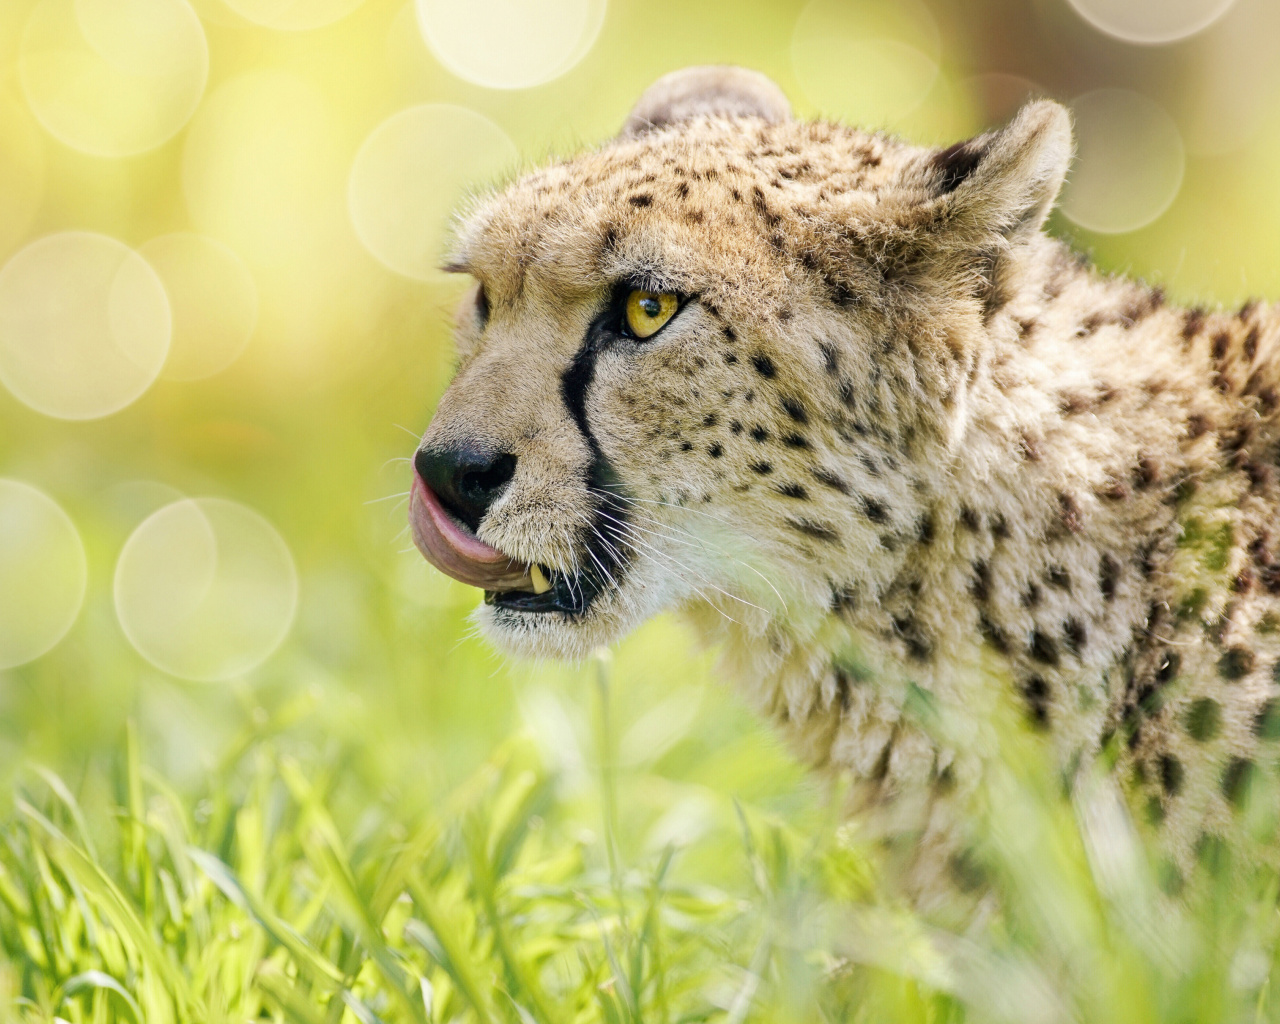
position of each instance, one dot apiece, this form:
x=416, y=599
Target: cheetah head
x=700, y=363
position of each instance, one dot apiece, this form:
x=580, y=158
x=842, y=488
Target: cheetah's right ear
x=710, y=89
x=1006, y=180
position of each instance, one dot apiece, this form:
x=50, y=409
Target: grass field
x=610, y=860
x=265, y=771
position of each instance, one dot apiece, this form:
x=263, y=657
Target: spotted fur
x=898, y=445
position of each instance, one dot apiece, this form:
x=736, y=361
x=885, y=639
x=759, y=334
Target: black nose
x=467, y=480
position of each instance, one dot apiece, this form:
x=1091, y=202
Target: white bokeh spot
x=42, y=573
x=212, y=298
x=870, y=64
x=113, y=78
x=1129, y=164
x=84, y=325
x=510, y=44
x=1151, y=22
x=409, y=175
x=206, y=589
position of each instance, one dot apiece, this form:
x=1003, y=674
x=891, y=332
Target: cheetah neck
x=1090, y=509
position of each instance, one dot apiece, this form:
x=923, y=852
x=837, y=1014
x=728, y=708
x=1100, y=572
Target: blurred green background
x=221, y=328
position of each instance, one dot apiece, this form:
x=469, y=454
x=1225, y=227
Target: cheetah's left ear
x=712, y=89
x=1006, y=180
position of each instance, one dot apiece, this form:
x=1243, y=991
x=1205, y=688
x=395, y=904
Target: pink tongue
x=456, y=552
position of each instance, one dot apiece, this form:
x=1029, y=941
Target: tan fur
x=899, y=442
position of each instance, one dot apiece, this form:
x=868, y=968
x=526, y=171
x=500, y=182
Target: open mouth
x=507, y=582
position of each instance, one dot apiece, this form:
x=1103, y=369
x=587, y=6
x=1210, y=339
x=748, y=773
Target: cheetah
x=842, y=402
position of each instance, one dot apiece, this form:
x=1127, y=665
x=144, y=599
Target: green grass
x=542, y=888
x=386, y=821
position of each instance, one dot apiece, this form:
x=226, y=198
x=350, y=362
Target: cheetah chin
x=840, y=401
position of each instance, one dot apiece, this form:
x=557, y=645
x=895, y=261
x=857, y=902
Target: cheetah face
x=693, y=359
x=578, y=468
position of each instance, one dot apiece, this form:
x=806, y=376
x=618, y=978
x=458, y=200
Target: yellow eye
x=647, y=312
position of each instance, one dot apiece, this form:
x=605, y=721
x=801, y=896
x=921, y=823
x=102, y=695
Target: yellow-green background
x=381, y=681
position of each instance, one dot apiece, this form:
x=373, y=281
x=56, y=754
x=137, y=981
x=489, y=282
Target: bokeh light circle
x=42, y=573
x=206, y=589
x=1151, y=21
x=409, y=175
x=212, y=298
x=84, y=325
x=868, y=63
x=1129, y=161
x=510, y=44
x=293, y=15
x=113, y=77
x=22, y=171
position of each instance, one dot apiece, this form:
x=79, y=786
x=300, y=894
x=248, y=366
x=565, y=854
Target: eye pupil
x=645, y=313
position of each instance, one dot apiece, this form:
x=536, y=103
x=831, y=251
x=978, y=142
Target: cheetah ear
x=1006, y=180
x=718, y=89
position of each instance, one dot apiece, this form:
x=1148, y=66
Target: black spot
x=874, y=510
x=1235, y=780
x=730, y=358
x=1154, y=811
x=1108, y=575
x=1266, y=723
x=1171, y=774
x=736, y=427
x=993, y=634
x=686, y=446
x=1069, y=512
x=967, y=873
x=795, y=441
x=715, y=451
x=762, y=207
x=825, y=476
x=793, y=491
x=764, y=365
x=1170, y=665
x=682, y=190
x=1036, y=692
x=710, y=419
x=1031, y=597
x=1000, y=527
x=795, y=409
x=981, y=586
x=641, y=200
x=969, y=519
x=758, y=433
x=1203, y=719
x=925, y=528
x=763, y=468
x=1043, y=648
x=1236, y=663
x=830, y=357
x=1213, y=852
x=819, y=531
x=917, y=644
x=1057, y=576
x=1075, y=635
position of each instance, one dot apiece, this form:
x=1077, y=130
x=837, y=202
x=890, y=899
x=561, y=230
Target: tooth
x=540, y=582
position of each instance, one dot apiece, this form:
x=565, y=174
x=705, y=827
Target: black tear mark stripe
x=606, y=543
